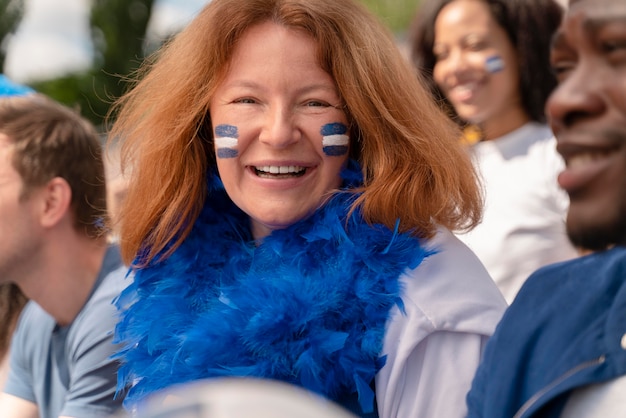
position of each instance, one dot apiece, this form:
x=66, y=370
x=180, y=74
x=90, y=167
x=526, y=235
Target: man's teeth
x=273, y=169
x=581, y=159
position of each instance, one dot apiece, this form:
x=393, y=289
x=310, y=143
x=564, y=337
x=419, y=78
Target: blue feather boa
x=306, y=306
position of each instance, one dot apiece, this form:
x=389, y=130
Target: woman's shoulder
x=451, y=289
x=528, y=137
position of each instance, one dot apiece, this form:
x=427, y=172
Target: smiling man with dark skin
x=588, y=116
x=560, y=349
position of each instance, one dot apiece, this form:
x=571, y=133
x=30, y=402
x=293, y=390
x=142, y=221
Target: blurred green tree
x=118, y=31
x=396, y=14
x=11, y=12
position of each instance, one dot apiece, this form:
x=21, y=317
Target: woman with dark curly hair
x=487, y=64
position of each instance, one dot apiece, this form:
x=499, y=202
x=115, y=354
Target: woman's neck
x=503, y=123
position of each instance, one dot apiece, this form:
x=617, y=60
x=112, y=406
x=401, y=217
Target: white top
x=523, y=226
x=452, y=307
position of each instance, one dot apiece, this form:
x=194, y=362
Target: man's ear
x=56, y=198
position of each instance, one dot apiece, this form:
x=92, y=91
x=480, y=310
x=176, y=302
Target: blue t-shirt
x=67, y=371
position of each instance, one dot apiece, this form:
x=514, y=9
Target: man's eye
x=560, y=70
x=562, y=62
x=611, y=47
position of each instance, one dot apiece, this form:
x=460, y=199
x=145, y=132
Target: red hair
x=415, y=170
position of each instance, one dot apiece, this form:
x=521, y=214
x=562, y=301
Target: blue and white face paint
x=226, y=141
x=494, y=64
x=335, y=142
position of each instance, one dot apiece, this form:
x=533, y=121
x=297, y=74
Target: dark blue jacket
x=565, y=329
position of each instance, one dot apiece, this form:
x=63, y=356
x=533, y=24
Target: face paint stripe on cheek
x=226, y=141
x=334, y=139
x=494, y=64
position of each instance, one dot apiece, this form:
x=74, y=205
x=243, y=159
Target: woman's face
x=281, y=136
x=476, y=64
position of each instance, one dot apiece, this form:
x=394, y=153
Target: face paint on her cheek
x=494, y=64
x=226, y=140
x=334, y=139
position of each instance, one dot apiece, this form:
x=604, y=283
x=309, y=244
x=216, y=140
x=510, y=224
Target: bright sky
x=53, y=38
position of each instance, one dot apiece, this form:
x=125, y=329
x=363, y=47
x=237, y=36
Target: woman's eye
x=245, y=100
x=476, y=46
x=440, y=57
x=316, y=103
x=474, y=42
x=439, y=54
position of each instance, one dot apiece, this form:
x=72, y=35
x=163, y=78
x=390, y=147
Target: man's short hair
x=51, y=140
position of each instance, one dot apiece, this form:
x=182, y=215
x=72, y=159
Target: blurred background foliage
x=10, y=16
x=118, y=31
x=396, y=14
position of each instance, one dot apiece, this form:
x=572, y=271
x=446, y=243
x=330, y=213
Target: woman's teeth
x=270, y=170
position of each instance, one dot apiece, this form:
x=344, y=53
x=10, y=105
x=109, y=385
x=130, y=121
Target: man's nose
x=577, y=98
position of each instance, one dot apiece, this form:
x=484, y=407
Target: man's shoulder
x=113, y=282
x=582, y=286
x=593, y=269
x=99, y=313
x=560, y=318
x=114, y=277
x=31, y=337
x=35, y=319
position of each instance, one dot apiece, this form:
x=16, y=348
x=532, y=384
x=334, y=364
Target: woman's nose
x=279, y=128
x=451, y=67
x=457, y=61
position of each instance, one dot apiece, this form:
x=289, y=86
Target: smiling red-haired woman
x=291, y=195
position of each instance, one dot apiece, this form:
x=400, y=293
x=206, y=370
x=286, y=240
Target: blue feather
x=307, y=306
x=365, y=393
